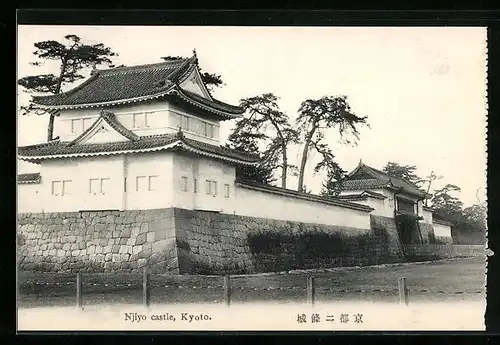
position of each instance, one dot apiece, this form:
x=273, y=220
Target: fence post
x=403, y=290
x=79, y=299
x=227, y=290
x=145, y=287
x=310, y=291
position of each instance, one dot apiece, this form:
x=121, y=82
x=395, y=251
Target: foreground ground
x=446, y=280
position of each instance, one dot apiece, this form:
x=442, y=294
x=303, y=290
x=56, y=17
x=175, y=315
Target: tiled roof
x=176, y=141
x=301, y=195
x=28, y=178
x=361, y=184
x=378, y=179
x=134, y=84
x=193, y=97
x=361, y=196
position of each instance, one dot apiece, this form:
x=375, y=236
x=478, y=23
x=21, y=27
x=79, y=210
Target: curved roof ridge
x=167, y=63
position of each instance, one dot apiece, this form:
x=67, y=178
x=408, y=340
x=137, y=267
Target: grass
x=445, y=280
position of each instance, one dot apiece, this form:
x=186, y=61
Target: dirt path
x=446, y=280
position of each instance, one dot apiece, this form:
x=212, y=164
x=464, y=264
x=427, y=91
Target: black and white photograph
x=251, y=178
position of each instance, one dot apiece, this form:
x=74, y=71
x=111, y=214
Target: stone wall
x=425, y=230
x=389, y=224
x=436, y=251
x=184, y=241
x=210, y=242
x=444, y=240
x=100, y=241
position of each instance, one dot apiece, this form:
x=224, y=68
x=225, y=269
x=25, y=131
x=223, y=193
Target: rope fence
x=227, y=287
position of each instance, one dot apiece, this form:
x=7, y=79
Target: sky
x=423, y=89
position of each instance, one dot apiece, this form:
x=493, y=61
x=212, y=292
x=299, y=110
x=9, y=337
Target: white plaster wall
x=192, y=84
x=202, y=169
x=441, y=230
x=427, y=215
x=28, y=198
x=378, y=205
x=174, y=122
x=269, y=205
x=57, y=170
x=149, y=164
x=162, y=118
x=79, y=171
x=383, y=207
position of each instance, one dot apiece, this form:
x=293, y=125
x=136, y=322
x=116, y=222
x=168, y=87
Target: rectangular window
x=66, y=187
x=209, y=130
x=94, y=186
x=208, y=186
x=141, y=183
x=124, y=184
x=226, y=191
x=184, y=122
x=214, y=187
x=195, y=185
x=406, y=206
x=56, y=188
x=140, y=120
x=184, y=184
x=152, y=183
x=76, y=126
x=104, y=185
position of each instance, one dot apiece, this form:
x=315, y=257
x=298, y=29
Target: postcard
x=251, y=178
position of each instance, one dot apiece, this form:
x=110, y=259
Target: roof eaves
x=165, y=91
x=186, y=97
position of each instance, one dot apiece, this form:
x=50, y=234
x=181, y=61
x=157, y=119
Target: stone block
x=98, y=249
x=75, y=252
x=141, y=238
x=58, y=245
x=150, y=237
x=108, y=257
x=61, y=253
x=144, y=227
x=136, y=249
x=53, y=251
x=116, y=258
x=103, y=242
x=107, y=249
x=135, y=231
x=141, y=263
x=126, y=232
x=123, y=240
x=66, y=246
x=160, y=235
x=115, y=248
x=91, y=250
x=82, y=245
x=145, y=253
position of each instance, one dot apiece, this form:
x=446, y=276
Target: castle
x=138, y=163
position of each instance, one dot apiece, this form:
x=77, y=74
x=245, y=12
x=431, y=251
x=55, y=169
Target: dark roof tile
x=138, y=83
x=28, y=178
x=57, y=148
x=378, y=179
